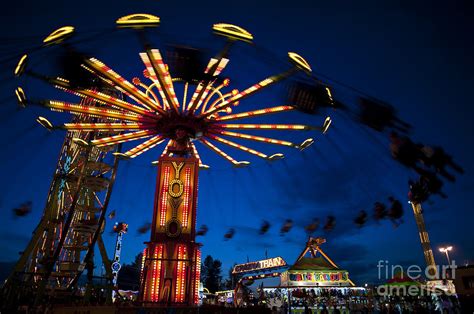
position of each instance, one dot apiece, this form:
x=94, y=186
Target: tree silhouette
x=211, y=273
x=129, y=275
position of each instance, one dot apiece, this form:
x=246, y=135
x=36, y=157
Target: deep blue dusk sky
x=416, y=56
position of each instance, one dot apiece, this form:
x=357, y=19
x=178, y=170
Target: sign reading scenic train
x=259, y=265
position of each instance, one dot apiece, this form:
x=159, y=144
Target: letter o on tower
x=171, y=188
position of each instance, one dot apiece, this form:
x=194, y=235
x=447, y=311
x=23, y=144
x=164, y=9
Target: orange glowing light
x=238, y=146
x=92, y=111
x=121, y=138
x=164, y=196
x=131, y=90
x=104, y=126
x=143, y=147
x=255, y=113
x=197, y=275
x=267, y=126
x=259, y=138
x=218, y=151
x=187, y=193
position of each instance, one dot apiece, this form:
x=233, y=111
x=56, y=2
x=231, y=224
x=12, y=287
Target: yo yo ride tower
x=171, y=262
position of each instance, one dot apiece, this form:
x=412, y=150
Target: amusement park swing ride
x=114, y=111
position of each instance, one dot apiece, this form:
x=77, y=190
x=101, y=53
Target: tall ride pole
x=425, y=240
x=120, y=228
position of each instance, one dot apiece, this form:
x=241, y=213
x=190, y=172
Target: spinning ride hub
x=171, y=267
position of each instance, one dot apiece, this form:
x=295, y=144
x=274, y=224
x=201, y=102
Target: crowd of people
x=416, y=304
x=341, y=300
x=320, y=300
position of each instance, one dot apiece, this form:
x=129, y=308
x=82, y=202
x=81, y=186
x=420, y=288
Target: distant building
x=464, y=282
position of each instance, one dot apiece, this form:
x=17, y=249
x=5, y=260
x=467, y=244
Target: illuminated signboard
x=259, y=265
x=317, y=276
x=320, y=278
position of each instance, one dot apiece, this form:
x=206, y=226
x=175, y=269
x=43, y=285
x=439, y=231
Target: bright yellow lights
x=238, y=146
x=122, y=84
x=120, y=138
x=241, y=164
x=276, y=156
x=232, y=31
x=196, y=154
x=80, y=142
x=299, y=61
x=21, y=97
x=306, y=143
x=45, y=123
x=138, y=20
x=20, y=67
x=329, y=94
x=145, y=146
x=267, y=126
x=218, y=151
x=102, y=98
x=58, y=35
x=154, y=108
x=121, y=155
x=103, y=126
x=259, y=139
x=95, y=111
x=326, y=124
x=255, y=113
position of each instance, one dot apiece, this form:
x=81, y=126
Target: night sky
x=416, y=56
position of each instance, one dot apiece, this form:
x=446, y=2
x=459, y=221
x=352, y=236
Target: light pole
x=446, y=250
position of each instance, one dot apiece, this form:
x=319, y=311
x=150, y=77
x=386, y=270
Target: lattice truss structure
x=63, y=242
x=154, y=115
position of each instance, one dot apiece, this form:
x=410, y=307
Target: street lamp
x=446, y=250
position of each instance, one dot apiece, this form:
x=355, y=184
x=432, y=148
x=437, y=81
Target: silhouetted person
x=432, y=183
x=311, y=228
x=380, y=116
x=187, y=63
x=202, y=231
x=380, y=211
x=396, y=211
x=330, y=223
x=438, y=159
x=23, y=210
x=70, y=63
x=361, y=219
x=264, y=228
x=405, y=151
x=286, y=226
x=418, y=192
x=144, y=229
x=180, y=142
x=230, y=234
x=309, y=98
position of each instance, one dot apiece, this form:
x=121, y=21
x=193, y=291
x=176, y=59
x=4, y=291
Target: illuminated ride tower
x=152, y=112
x=424, y=238
x=172, y=260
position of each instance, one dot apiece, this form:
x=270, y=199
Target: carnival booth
x=316, y=283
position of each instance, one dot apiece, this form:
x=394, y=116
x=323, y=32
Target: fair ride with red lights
x=111, y=110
